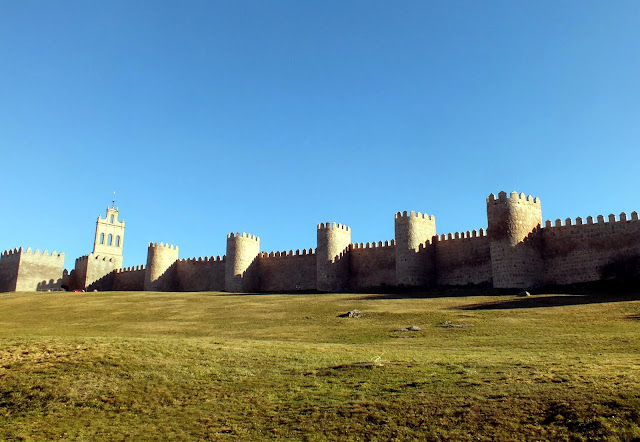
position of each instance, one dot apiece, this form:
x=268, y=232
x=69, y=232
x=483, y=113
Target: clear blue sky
x=269, y=117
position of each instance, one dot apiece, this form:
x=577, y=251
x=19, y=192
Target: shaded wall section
x=9, y=265
x=201, y=274
x=129, y=279
x=39, y=271
x=463, y=258
x=584, y=252
x=332, y=261
x=414, y=260
x=373, y=264
x=241, y=268
x=160, y=274
x=287, y=271
x=99, y=272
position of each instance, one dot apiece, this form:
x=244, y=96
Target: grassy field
x=185, y=366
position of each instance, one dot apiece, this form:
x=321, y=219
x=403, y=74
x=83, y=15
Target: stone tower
x=414, y=261
x=159, y=274
x=109, y=238
x=515, y=261
x=241, y=270
x=92, y=270
x=332, y=265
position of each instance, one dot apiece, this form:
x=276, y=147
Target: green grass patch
x=209, y=366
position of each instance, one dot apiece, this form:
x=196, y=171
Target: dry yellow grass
x=185, y=366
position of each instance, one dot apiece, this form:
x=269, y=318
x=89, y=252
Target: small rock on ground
x=452, y=325
x=355, y=313
x=412, y=328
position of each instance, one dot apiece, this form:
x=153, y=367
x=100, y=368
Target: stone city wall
x=200, y=274
x=241, y=268
x=160, y=272
x=332, y=262
x=78, y=276
x=515, y=256
x=515, y=251
x=287, y=271
x=99, y=272
x=26, y=270
x=578, y=251
x=463, y=258
x=129, y=279
x=414, y=259
x=40, y=271
x=373, y=264
x=9, y=266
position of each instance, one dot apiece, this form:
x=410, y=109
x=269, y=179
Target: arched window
x=109, y=239
x=118, y=241
x=102, y=238
x=111, y=219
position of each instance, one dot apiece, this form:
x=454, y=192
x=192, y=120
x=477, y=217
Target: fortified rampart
x=161, y=267
x=462, y=258
x=287, y=271
x=332, y=260
x=514, y=261
x=577, y=251
x=201, y=274
x=516, y=250
x=26, y=270
x=415, y=262
x=94, y=271
x=129, y=279
x=241, y=269
x=372, y=264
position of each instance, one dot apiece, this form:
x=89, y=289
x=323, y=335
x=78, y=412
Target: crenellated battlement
x=288, y=254
x=373, y=245
x=29, y=251
x=243, y=235
x=205, y=259
x=469, y=234
x=513, y=196
x=413, y=214
x=24, y=269
x=162, y=245
x=160, y=270
x=44, y=253
x=517, y=249
x=328, y=225
x=131, y=269
x=12, y=251
x=600, y=219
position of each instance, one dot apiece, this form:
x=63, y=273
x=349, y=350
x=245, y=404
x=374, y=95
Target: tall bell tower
x=109, y=238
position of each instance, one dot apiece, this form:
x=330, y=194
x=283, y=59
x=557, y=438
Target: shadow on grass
x=298, y=292
x=427, y=293
x=542, y=301
x=577, y=294
x=388, y=293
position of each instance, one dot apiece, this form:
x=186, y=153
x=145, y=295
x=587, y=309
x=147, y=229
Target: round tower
x=414, y=260
x=332, y=265
x=515, y=259
x=241, y=269
x=159, y=274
